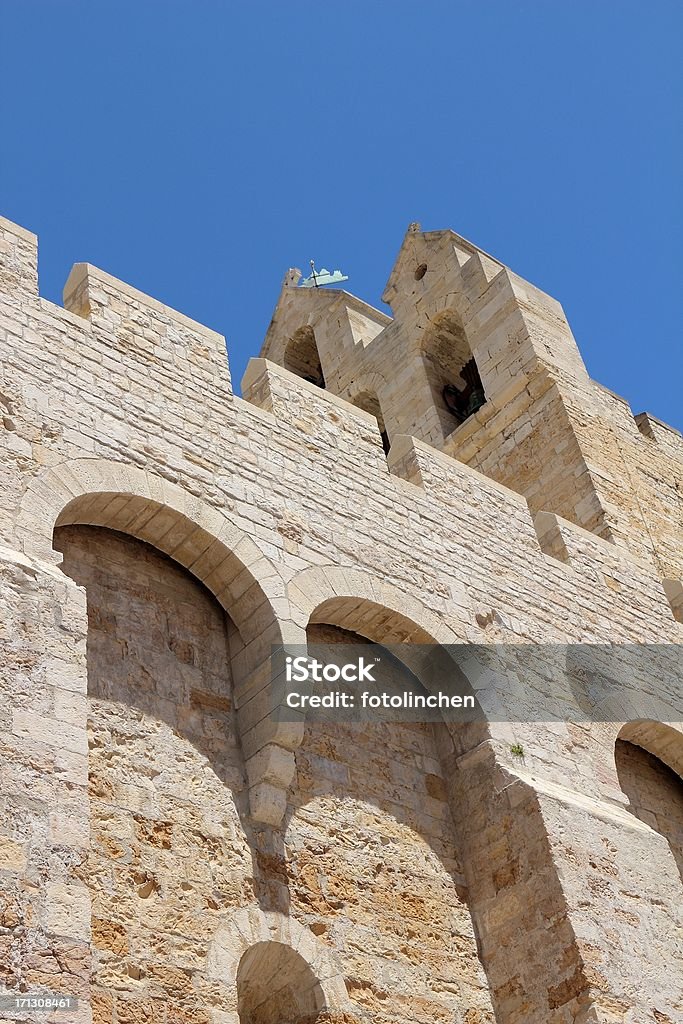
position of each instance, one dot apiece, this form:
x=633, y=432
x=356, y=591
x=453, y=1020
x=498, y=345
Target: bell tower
x=482, y=365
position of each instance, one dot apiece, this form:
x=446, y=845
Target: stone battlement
x=140, y=382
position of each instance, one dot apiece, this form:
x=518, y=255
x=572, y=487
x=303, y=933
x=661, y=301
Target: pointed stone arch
x=320, y=589
x=660, y=739
x=648, y=758
x=274, y=983
x=302, y=356
x=451, y=369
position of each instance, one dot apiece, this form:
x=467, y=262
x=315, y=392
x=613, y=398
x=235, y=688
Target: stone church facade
x=171, y=852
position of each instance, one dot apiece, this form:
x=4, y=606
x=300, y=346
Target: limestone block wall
x=638, y=466
x=118, y=415
x=45, y=918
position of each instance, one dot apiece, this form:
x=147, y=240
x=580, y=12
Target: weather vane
x=321, y=277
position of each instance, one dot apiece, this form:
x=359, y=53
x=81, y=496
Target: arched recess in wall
x=302, y=357
x=180, y=611
x=397, y=873
x=224, y=559
x=279, y=970
x=649, y=762
x=164, y=760
x=368, y=401
x=197, y=536
x=275, y=984
x=388, y=787
x=381, y=613
x=457, y=388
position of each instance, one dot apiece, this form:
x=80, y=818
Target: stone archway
x=169, y=832
x=278, y=971
x=312, y=593
x=202, y=539
x=275, y=985
x=382, y=613
x=502, y=841
x=166, y=770
x=397, y=876
x=661, y=739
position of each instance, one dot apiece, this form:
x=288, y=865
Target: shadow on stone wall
x=172, y=852
x=655, y=794
x=524, y=933
x=398, y=837
x=407, y=838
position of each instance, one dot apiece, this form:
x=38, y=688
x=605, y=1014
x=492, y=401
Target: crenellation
x=18, y=259
x=155, y=347
x=320, y=415
x=668, y=437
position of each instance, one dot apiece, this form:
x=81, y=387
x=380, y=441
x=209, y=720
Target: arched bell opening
x=369, y=402
x=302, y=356
x=452, y=371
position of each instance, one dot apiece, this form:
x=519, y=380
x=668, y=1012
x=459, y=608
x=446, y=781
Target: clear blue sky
x=197, y=149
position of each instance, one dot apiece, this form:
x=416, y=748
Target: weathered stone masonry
x=170, y=854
